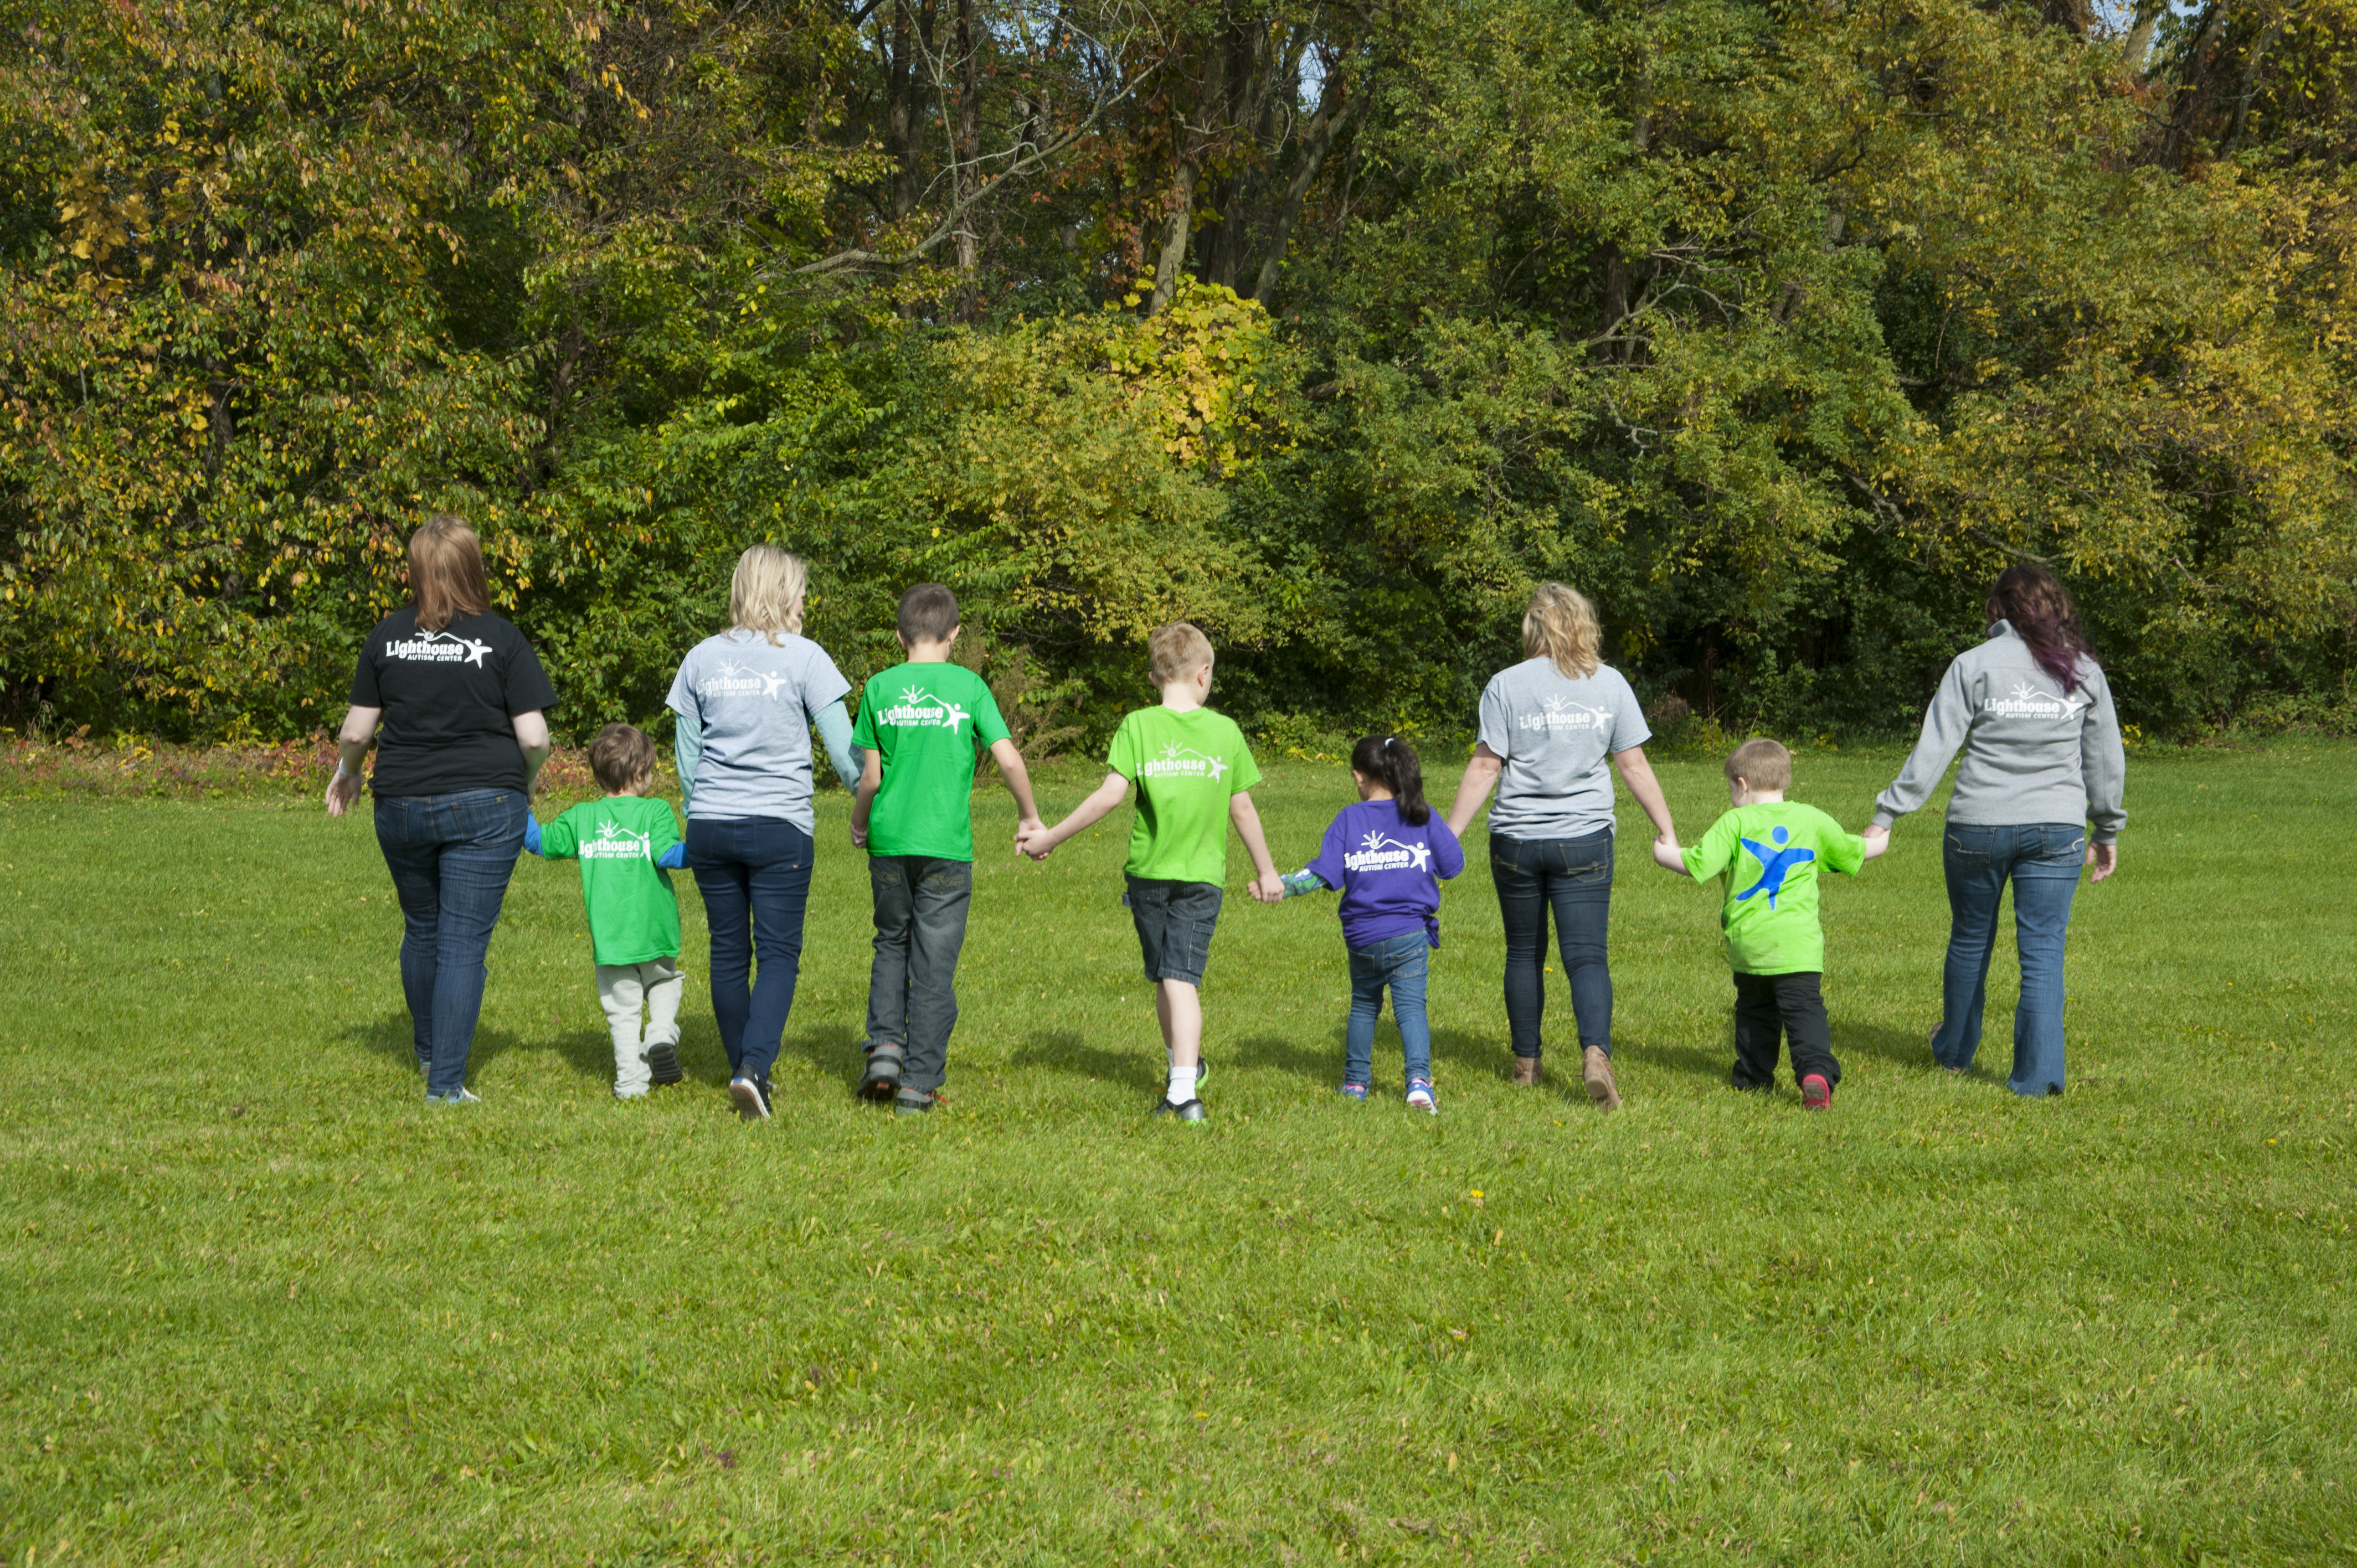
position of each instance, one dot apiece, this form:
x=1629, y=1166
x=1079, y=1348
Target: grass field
x=261, y=1305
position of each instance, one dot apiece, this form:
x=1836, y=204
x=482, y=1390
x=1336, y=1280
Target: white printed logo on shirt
x=1177, y=762
x=735, y=680
x=438, y=648
x=920, y=709
x=1378, y=852
x=1563, y=713
x=2027, y=701
x=615, y=842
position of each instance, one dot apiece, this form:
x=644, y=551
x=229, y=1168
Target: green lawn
x=263, y=1306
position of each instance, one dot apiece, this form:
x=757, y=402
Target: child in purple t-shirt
x=1388, y=854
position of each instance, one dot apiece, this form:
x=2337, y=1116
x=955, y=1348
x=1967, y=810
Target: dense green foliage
x=262, y=1308
x=1776, y=325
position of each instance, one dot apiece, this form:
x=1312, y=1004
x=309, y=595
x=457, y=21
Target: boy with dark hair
x=1767, y=849
x=922, y=722
x=1192, y=770
x=628, y=846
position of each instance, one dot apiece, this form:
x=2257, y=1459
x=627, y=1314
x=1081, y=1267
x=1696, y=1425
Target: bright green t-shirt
x=924, y=721
x=1769, y=855
x=633, y=913
x=1186, y=765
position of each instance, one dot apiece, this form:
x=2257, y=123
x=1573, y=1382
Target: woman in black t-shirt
x=463, y=701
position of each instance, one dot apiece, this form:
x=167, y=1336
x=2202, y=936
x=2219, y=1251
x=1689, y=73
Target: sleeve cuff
x=1883, y=818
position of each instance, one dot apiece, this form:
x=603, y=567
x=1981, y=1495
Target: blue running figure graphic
x=1773, y=864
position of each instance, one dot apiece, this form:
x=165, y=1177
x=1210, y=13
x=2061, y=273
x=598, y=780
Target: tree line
x=1776, y=327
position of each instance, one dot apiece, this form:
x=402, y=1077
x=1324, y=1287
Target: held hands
x=1269, y=889
x=1667, y=855
x=1032, y=838
x=1878, y=841
x=2104, y=858
x=342, y=790
x=858, y=834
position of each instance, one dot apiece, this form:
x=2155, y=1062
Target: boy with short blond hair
x=1766, y=850
x=628, y=846
x=1193, y=772
x=922, y=722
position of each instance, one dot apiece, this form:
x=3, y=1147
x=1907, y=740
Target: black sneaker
x=914, y=1102
x=662, y=1060
x=1191, y=1111
x=883, y=1074
x=752, y=1097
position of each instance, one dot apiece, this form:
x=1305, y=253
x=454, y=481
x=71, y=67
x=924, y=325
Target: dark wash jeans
x=2042, y=861
x=1574, y=878
x=1402, y=963
x=450, y=857
x=755, y=876
x=920, y=909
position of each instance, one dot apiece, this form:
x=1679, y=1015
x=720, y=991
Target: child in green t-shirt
x=1192, y=770
x=1767, y=851
x=628, y=845
x=921, y=723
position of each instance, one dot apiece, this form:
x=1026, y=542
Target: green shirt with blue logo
x=1767, y=855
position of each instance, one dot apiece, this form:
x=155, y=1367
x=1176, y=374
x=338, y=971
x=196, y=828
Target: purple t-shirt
x=1389, y=871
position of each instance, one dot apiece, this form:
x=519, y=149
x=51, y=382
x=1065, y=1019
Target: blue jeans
x=2042, y=860
x=755, y=876
x=450, y=857
x=1574, y=878
x=1400, y=962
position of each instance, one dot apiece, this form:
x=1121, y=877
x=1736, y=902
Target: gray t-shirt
x=1557, y=736
x=755, y=702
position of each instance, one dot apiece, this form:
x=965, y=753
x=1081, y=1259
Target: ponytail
x=1392, y=762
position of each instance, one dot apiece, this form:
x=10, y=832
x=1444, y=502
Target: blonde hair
x=1177, y=650
x=446, y=572
x=1761, y=763
x=765, y=594
x=1561, y=625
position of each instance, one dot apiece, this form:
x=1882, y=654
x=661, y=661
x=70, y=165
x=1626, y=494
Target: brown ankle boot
x=1526, y=1073
x=1597, y=1069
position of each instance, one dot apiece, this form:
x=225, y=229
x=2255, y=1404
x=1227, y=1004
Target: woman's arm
x=835, y=728
x=351, y=750
x=1480, y=777
x=687, y=754
x=1638, y=774
x=532, y=739
x=1946, y=723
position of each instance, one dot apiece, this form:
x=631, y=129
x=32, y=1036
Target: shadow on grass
x=1304, y=1061
x=589, y=1052
x=833, y=1051
x=1062, y=1051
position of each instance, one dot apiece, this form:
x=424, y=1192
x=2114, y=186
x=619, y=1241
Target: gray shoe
x=458, y=1097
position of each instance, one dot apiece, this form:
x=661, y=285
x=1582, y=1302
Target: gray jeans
x=920, y=905
x=622, y=988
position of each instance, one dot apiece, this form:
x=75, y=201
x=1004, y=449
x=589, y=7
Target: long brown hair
x=2034, y=602
x=446, y=572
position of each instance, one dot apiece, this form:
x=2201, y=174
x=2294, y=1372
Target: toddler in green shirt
x=628, y=846
x=1193, y=773
x=923, y=724
x=1766, y=852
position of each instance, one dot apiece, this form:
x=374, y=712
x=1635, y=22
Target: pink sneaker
x=1816, y=1094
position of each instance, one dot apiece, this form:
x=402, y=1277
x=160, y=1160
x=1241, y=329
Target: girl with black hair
x=1387, y=855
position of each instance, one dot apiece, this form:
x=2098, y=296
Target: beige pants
x=622, y=989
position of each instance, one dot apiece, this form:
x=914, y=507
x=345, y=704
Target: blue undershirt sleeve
x=532, y=833
x=672, y=858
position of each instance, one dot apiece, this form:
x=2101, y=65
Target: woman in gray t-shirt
x=1549, y=725
x=745, y=703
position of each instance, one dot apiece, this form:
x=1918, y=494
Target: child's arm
x=1267, y=887
x=1670, y=857
x=1302, y=881
x=1019, y=784
x=673, y=857
x=863, y=796
x=531, y=833
x=1039, y=842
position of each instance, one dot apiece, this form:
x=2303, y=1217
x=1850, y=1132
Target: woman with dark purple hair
x=2037, y=796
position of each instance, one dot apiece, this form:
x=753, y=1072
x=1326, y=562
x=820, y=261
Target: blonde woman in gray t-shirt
x=1553, y=728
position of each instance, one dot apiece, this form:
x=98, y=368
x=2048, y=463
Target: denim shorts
x=1174, y=921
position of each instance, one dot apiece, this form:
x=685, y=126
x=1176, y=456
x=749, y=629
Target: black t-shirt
x=448, y=698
